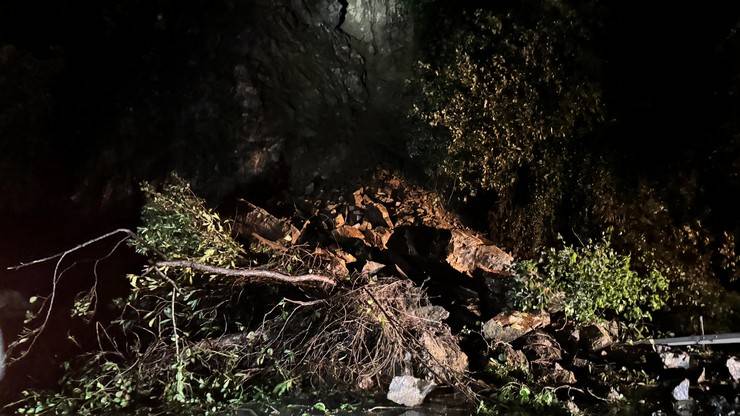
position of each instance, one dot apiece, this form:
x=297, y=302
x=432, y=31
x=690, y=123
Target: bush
x=506, y=86
x=162, y=355
x=176, y=224
x=589, y=283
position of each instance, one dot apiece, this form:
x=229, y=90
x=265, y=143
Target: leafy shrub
x=589, y=283
x=178, y=225
x=508, y=88
x=161, y=358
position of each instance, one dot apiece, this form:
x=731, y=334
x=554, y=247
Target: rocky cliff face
x=331, y=74
x=227, y=93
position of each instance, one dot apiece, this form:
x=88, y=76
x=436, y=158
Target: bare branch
x=249, y=273
x=81, y=246
x=57, y=277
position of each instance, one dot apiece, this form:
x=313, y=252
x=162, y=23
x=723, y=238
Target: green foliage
x=504, y=89
x=176, y=224
x=162, y=360
x=588, y=282
x=517, y=398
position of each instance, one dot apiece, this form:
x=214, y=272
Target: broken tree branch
x=73, y=249
x=249, y=273
x=58, y=276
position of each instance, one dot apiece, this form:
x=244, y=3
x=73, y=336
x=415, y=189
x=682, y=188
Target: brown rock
x=558, y=375
x=348, y=258
x=467, y=252
x=378, y=215
x=347, y=232
x=377, y=237
x=252, y=219
x=331, y=262
x=357, y=197
x=372, y=268
x=448, y=357
x=509, y=326
x=541, y=348
x=596, y=337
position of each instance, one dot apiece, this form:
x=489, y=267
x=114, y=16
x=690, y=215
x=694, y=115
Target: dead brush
x=364, y=335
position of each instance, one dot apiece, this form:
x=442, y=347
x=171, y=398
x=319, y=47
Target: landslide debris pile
x=376, y=288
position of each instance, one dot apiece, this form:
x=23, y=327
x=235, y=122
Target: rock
x=357, y=197
x=567, y=334
x=509, y=359
x=719, y=405
x=557, y=375
x=681, y=391
x=684, y=407
x=432, y=313
x=733, y=366
x=347, y=233
x=377, y=237
x=409, y=391
x=541, y=347
x=13, y=305
x=446, y=356
x=509, y=326
x=702, y=377
x=596, y=337
x=332, y=262
x=467, y=252
x=378, y=215
x=675, y=360
x=252, y=220
x=372, y=268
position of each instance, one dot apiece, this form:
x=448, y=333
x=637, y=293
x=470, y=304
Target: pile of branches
x=366, y=334
x=208, y=319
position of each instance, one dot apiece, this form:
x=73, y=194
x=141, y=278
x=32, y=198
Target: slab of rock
x=681, y=391
x=596, y=337
x=542, y=348
x=347, y=233
x=559, y=375
x=332, y=262
x=432, y=313
x=372, y=268
x=733, y=366
x=509, y=326
x=378, y=215
x=377, y=237
x=252, y=219
x=467, y=252
x=409, y=391
x=675, y=359
x=448, y=356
